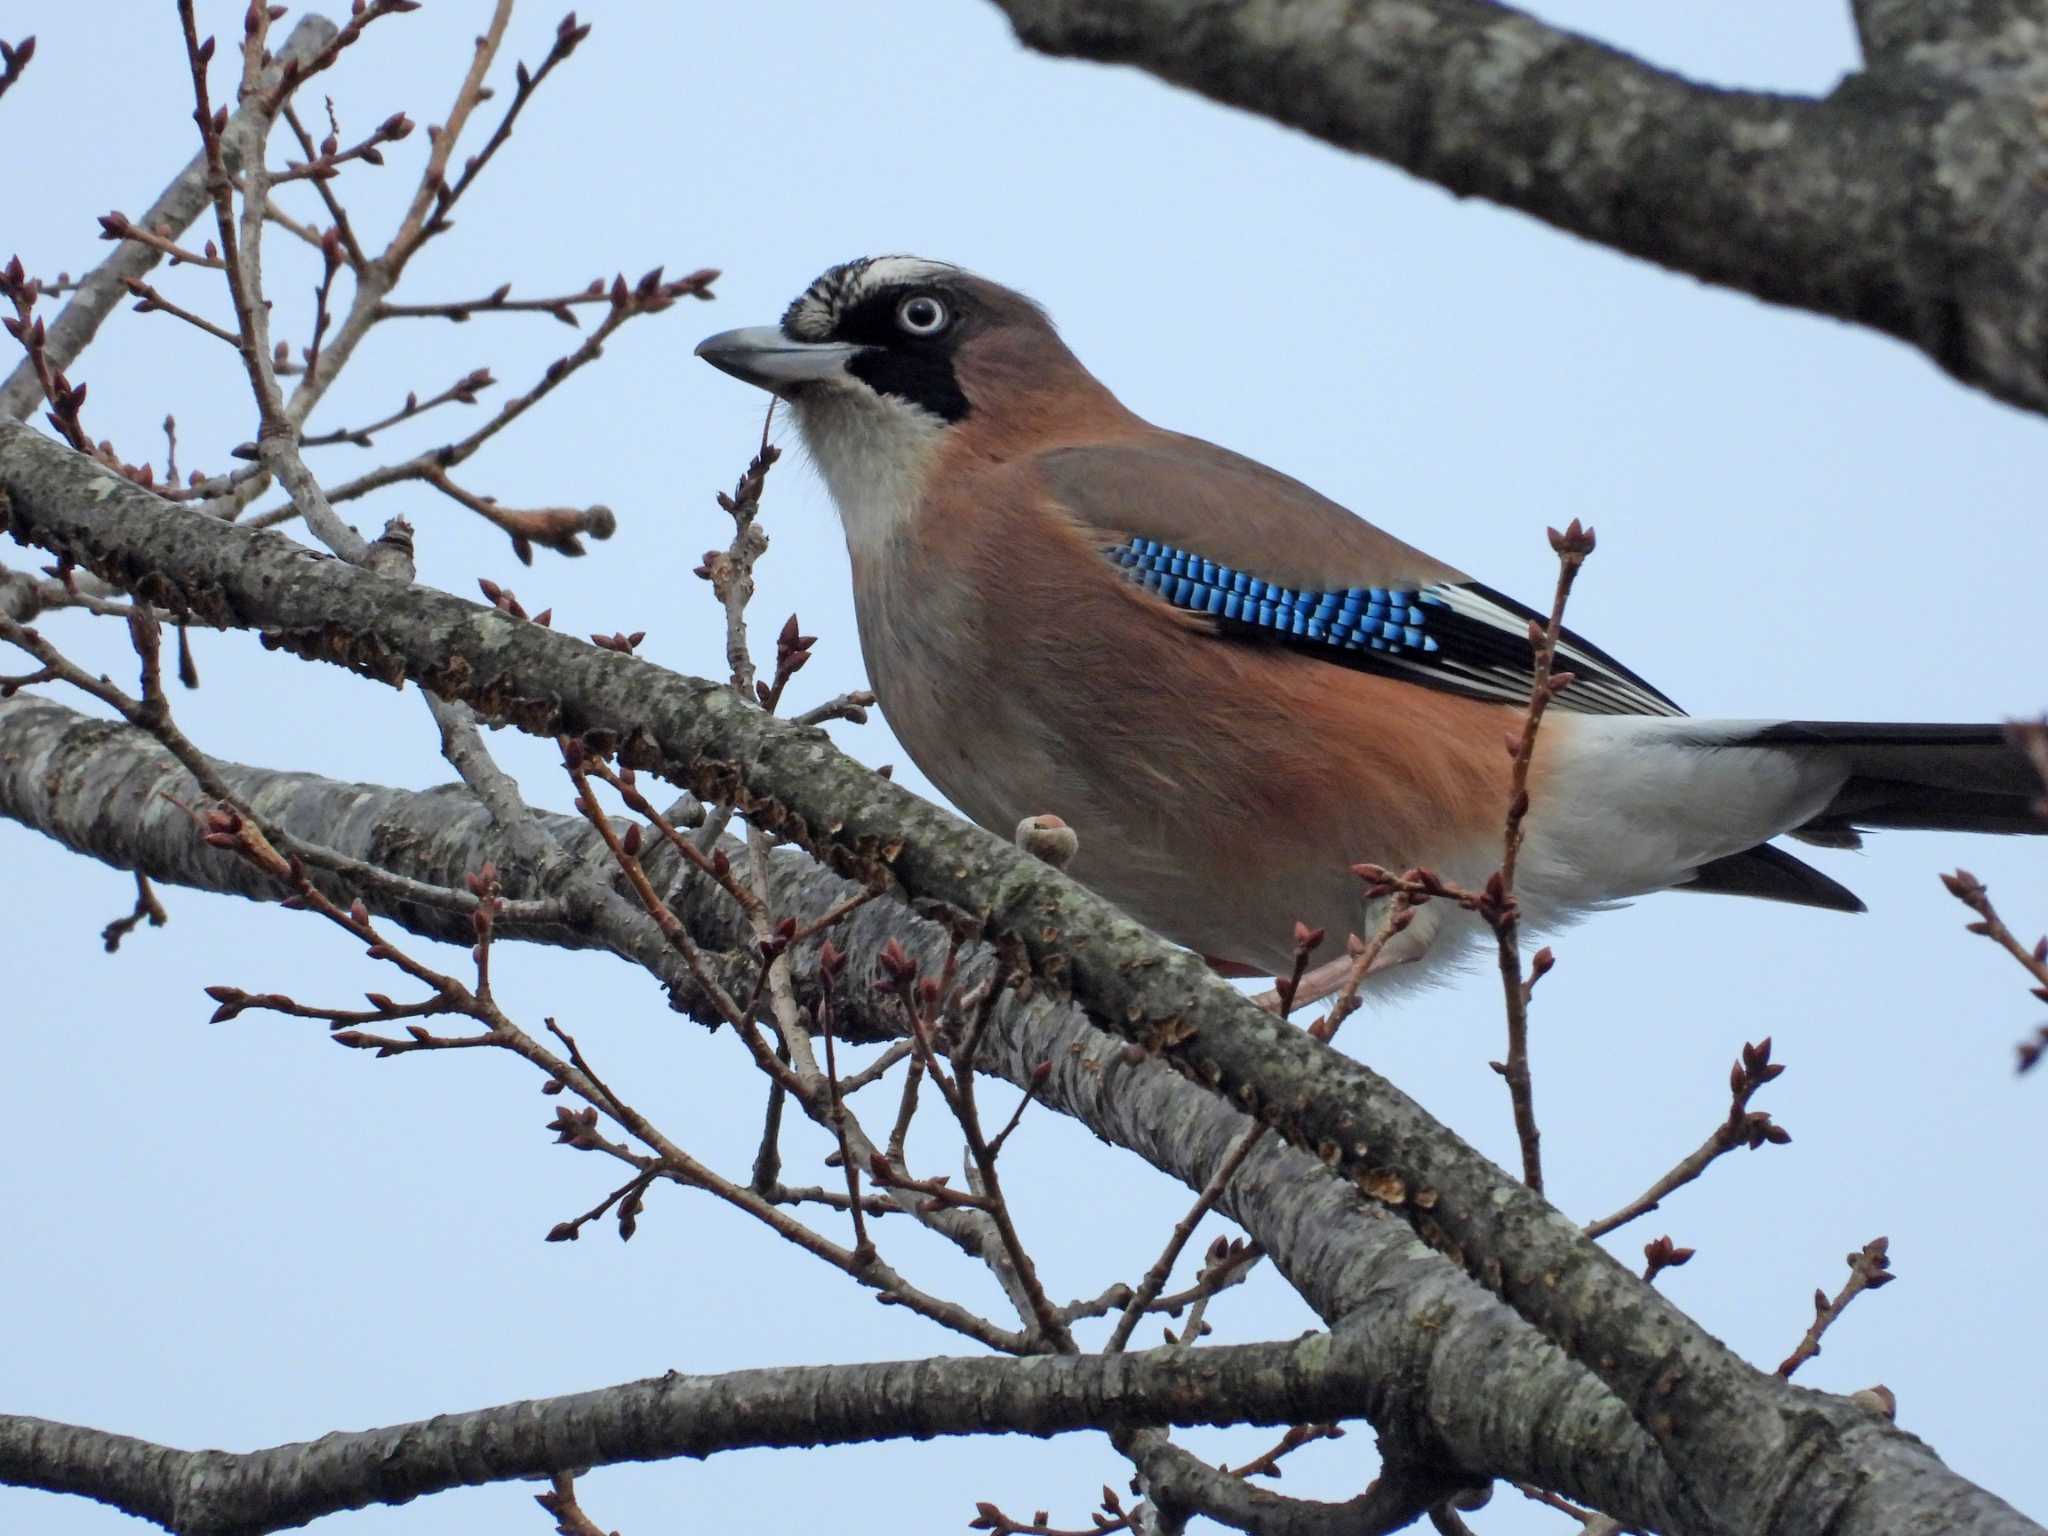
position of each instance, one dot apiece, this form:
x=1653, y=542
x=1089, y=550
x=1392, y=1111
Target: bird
x=1234, y=690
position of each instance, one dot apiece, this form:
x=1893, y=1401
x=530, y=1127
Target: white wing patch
x=1602, y=686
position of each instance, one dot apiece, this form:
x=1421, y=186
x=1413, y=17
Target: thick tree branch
x=111, y=792
x=791, y=781
x=1910, y=199
x=101, y=788
x=1954, y=36
x=221, y=1493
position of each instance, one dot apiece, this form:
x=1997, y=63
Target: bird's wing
x=1264, y=558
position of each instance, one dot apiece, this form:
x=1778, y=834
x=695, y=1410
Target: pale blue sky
x=239, y=1235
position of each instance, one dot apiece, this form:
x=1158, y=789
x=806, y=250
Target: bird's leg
x=1327, y=979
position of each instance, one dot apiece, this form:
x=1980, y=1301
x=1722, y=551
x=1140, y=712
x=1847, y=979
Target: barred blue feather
x=1458, y=636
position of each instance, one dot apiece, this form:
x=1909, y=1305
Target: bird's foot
x=1405, y=947
x=1048, y=839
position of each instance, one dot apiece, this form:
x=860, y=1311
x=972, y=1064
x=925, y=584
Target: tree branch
x=1805, y=1454
x=1909, y=199
x=171, y=214
x=222, y=1493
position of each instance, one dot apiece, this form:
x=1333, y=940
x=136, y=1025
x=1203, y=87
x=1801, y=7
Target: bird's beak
x=763, y=356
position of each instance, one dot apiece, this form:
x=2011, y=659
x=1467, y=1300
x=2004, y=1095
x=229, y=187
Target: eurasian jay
x=1234, y=689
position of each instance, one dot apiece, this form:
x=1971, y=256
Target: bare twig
x=1306, y=941
x=147, y=908
x=1743, y=1127
x=731, y=573
x=14, y=59
x=296, y=71
x=852, y=706
x=118, y=226
x=1869, y=1268
x=499, y=301
x=574, y=1074
x=174, y=209
x=560, y=1502
x=1267, y=1464
x=1660, y=1254
x=241, y=256
x=152, y=714
x=343, y=229
x=463, y=392
x=556, y=528
x=2033, y=959
x=149, y=301
x=1573, y=546
x=21, y=291
x=326, y=164
x=1155, y=1278
x=1365, y=958
x=652, y=295
x=1111, y=1516
x=568, y=34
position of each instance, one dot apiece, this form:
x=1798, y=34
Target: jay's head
x=880, y=358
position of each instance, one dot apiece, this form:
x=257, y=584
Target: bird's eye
x=921, y=315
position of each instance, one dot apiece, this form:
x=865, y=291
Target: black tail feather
x=1771, y=874
x=1935, y=778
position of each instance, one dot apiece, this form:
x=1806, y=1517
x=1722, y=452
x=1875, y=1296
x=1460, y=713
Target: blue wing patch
x=1462, y=637
x=1391, y=619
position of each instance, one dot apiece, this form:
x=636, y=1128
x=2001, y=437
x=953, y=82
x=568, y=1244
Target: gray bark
x=222, y=1493
x=96, y=787
x=1735, y=1451
x=1911, y=199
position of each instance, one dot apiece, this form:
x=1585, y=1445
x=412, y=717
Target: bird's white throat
x=874, y=451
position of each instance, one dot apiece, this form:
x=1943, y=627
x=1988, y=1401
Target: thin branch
x=651, y=296
x=568, y=34
x=343, y=229
x=22, y=291
x=2033, y=959
x=1743, y=1127
x=556, y=528
x=1869, y=1268
x=560, y=1502
x=149, y=301
x=1573, y=546
x=151, y=713
x=433, y=194
x=462, y=392
x=14, y=59
x=1155, y=1278
x=187, y=196
x=499, y=301
x=147, y=909
x=852, y=706
x=326, y=165
x=297, y=71
x=1267, y=1464
x=118, y=226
